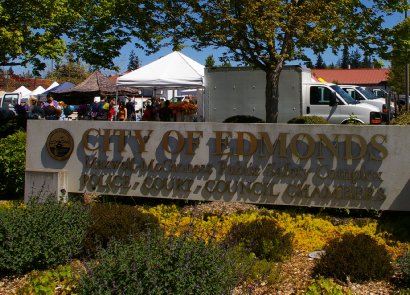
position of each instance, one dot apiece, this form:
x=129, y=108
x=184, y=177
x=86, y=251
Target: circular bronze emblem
x=60, y=144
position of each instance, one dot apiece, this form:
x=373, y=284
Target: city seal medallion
x=60, y=144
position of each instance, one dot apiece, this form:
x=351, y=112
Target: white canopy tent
x=172, y=71
x=37, y=91
x=25, y=92
x=54, y=84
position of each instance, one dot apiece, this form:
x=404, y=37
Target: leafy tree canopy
x=400, y=55
x=92, y=30
x=31, y=30
x=267, y=33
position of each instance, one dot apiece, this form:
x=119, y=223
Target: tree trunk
x=272, y=92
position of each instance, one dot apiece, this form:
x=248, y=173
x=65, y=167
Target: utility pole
x=407, y=73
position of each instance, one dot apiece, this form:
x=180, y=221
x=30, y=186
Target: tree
x=134, y=62
x=28, y=75
x=366, y=62
x=378, y=64
x=308, y=62
x=94, y=31
x=268, y=33
x=10, y=71
x=32, y=30
x=320, y=64
x=98, y=36
x=345, y=64
x=355, y=59
x=399, y=56
x=70, y=71
x=226, y=64
x=210, y=61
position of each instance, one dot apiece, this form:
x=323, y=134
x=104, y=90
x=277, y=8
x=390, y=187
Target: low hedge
x=40, y=235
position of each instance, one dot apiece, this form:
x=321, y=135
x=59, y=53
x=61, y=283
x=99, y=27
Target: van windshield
x=344, y=94
x=367, y=93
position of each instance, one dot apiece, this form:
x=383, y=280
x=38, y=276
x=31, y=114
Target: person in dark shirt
x=130, y=106
x=165, y=113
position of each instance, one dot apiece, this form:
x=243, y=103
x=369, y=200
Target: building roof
x=353, y=76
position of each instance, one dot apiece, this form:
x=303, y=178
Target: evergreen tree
x=366, y=62
x=28, y=75
x=226, y=64
x=345, y=58
x=210, y=61
x=10, y=71
x=320, y=64
x=355, y=59
x=71, y=71
x=134, y=62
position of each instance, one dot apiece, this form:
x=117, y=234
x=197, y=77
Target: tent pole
x=116, y=102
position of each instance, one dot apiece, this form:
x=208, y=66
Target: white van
x=362, y=94
x=9, y=100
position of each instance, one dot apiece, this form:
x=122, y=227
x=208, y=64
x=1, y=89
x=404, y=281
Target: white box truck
x=241, y=91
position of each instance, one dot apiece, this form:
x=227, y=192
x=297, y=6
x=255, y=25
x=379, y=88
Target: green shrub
x=262, y=237
x=323, y=286
x=40, y=235
x=356, y=258
x=396, y=223
x=403, y=119
x=8, y=123
x=152, y=264
x=403, y=263
x=308, y=120
x=62, y=278
x=243, y=119
x=12, y=163
x=263, y=270
x=115, y=221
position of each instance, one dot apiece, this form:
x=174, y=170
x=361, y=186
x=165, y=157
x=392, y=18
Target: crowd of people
x=50, y=109
x=108, y=109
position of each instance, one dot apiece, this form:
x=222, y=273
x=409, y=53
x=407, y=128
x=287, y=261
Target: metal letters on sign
x=60, y=144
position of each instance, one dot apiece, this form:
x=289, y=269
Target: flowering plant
x=183, y=107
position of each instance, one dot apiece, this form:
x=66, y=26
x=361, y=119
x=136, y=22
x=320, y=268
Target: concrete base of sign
x=46, y=183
